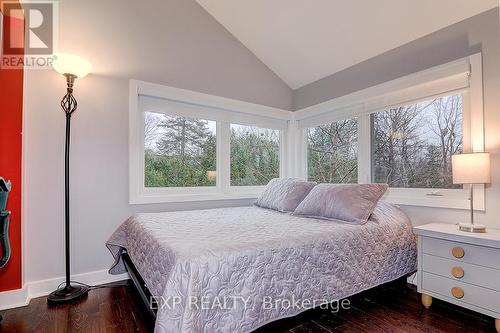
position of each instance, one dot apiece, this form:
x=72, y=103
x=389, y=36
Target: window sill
x=453, y=199
x=171, y=198
x=434, y=202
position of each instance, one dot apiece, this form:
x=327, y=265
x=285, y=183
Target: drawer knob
x=458, y=252
x=457, y=272
x=457, y=292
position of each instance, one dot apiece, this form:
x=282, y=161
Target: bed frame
x=146, y=295
x=140, y=286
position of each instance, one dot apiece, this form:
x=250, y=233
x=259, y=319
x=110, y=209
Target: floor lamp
x=72, y=67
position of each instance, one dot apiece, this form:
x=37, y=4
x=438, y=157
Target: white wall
x=172, y=42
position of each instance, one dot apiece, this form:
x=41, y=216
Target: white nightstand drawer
x=478, y=255
x=463, y=292
x=461, y=271
x=459, y=267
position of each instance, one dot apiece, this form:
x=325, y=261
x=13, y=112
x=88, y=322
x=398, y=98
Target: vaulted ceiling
x=305, y=40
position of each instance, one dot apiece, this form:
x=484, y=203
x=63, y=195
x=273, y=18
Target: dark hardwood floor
x=394, y=307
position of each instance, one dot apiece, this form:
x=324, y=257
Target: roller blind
x=441, y=80
x=161, y=105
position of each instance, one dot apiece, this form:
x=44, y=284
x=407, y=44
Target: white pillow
x=284, y=194
x=353, y=203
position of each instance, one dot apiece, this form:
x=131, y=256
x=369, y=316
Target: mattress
x=236, y=269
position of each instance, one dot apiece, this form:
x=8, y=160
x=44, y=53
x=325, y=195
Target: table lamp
x=471, y=168
x=72, y=67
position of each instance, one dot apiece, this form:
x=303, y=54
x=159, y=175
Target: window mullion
x=290, y=151
x=223, y=156
x=364, y=149
x=303, y=154
x=284, y=152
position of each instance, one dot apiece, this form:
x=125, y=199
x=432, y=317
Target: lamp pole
x=68, y=292
x=69, y=105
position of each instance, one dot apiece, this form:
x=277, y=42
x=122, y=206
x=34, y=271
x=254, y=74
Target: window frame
x=462, y=75
x=432, y=83
x=187, y=103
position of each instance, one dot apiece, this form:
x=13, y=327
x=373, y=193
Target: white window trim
x=452, y=77
x=224, y=111
x=455, y=77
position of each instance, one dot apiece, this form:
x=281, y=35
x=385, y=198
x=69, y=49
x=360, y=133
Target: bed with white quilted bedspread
x=236, y=269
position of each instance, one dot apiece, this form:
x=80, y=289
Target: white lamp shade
x=472, y=168
x=65, y=63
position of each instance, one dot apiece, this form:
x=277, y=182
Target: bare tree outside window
x=413, y=144
x=151, y=122
x=179, y=151
x=254, y=155
x=332, y=152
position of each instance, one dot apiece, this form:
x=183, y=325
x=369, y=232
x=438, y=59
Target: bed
x=236, y=269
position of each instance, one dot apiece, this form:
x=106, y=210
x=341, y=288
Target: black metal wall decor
x=5, y=187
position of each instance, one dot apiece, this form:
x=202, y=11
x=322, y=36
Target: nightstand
x=459, y=267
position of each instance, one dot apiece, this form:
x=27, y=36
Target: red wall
x=11, y=115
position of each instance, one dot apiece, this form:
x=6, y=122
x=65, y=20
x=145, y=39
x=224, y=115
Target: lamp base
x=468, y=227
x=67, y=294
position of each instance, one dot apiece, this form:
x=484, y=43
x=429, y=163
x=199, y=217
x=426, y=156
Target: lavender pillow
x=349, y=203
x=284, y=194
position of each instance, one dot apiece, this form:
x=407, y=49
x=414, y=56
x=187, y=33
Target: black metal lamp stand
x=68, y=292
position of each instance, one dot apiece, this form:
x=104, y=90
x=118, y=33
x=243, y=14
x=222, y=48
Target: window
x=254, y=155
x=332, y=152
x=179, y=151
x=413, y=144
x=403, y=132
x=189, y=146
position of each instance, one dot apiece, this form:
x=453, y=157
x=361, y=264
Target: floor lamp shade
x=65, y=63
x=471, y=168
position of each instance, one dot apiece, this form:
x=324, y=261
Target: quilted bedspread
x=236, y=269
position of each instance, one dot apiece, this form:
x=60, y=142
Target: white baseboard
x=14, y=298
x=21, y=297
